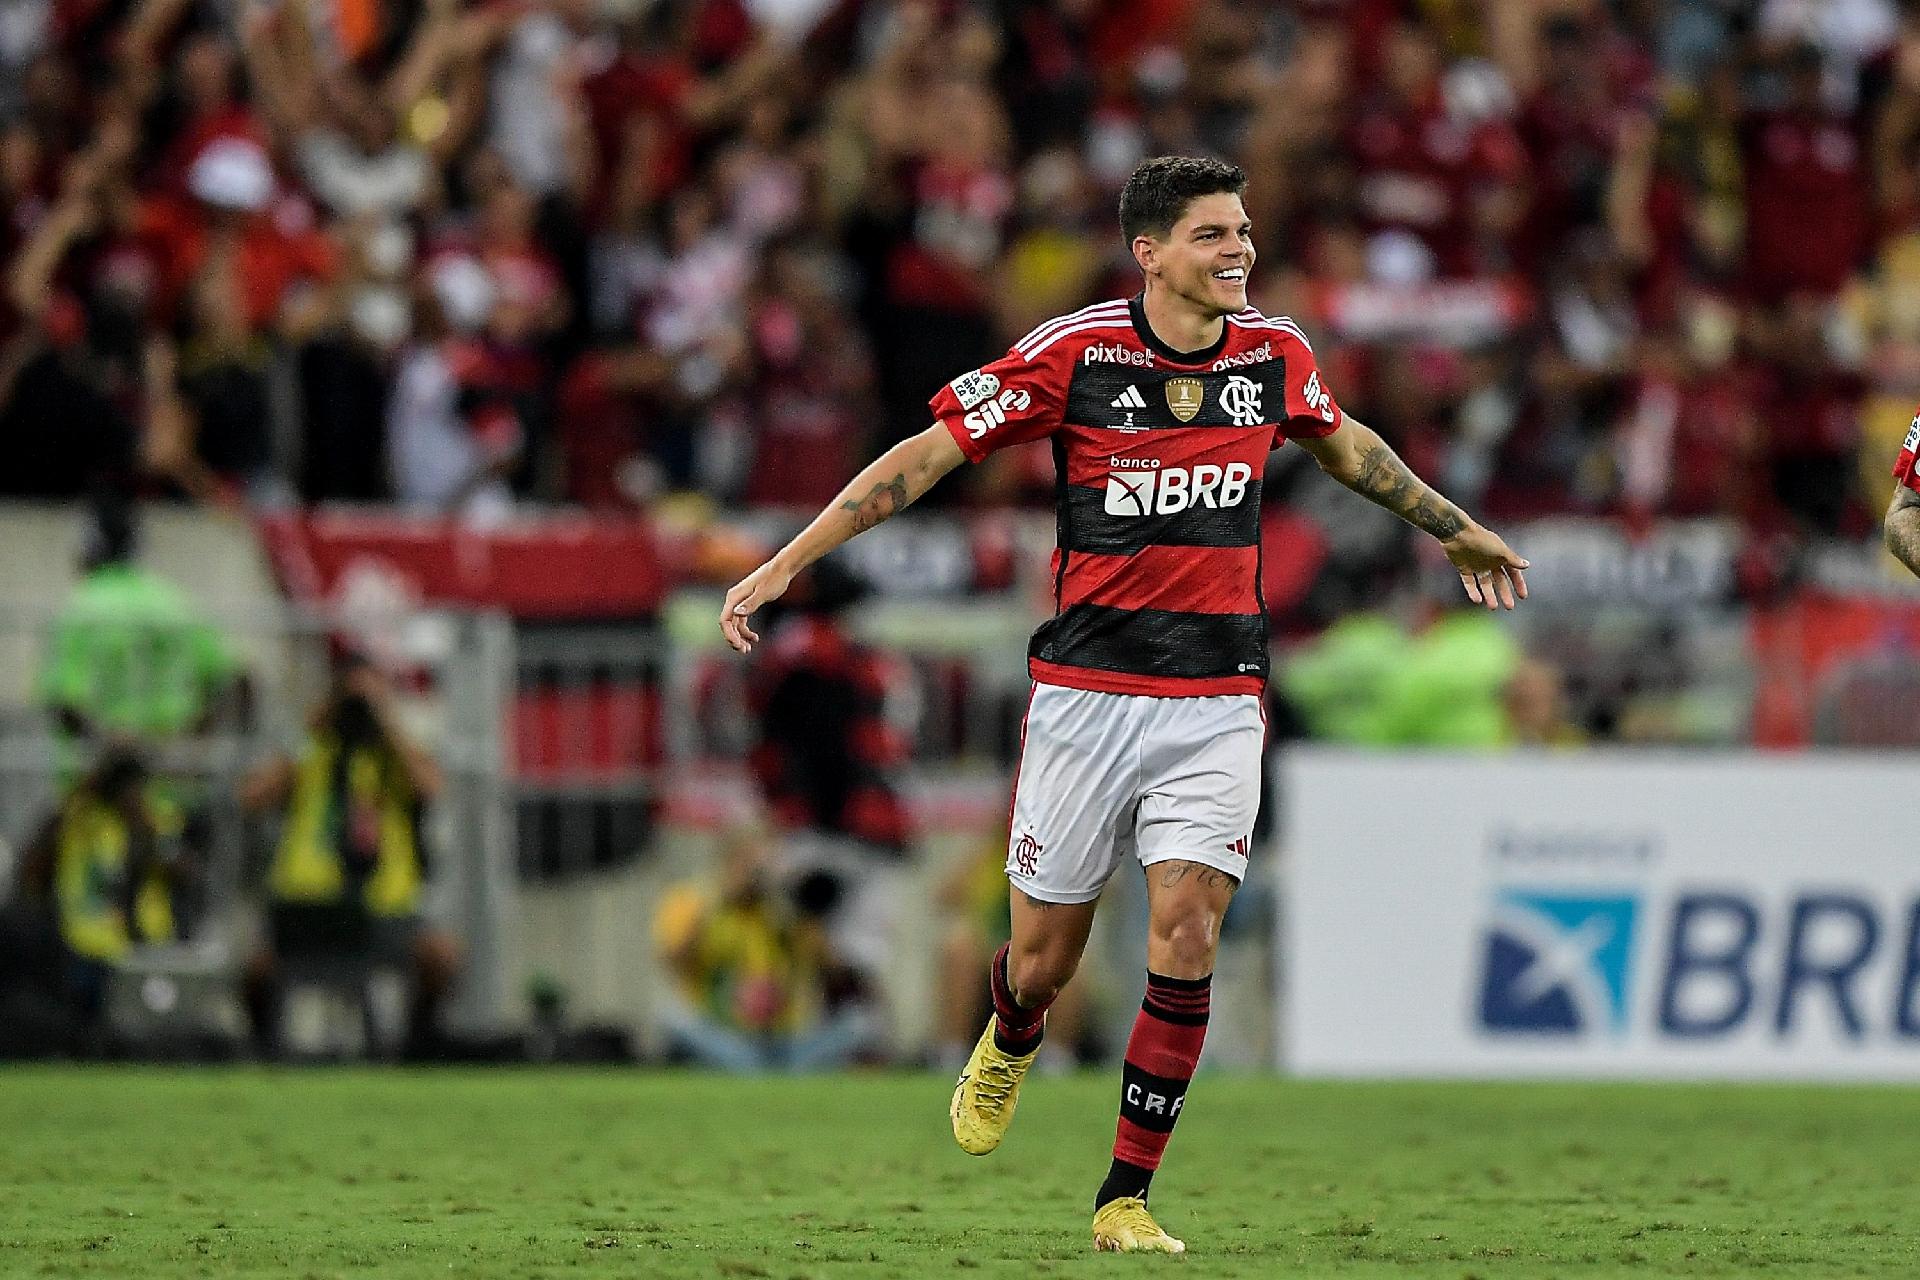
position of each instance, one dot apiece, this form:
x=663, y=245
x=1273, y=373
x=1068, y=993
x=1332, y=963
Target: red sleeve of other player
x=1011, y=401
x=1310, y=409
x=1903, y=468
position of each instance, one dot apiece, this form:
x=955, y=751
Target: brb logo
x=1557, y=964
x=1141, y=486
x=1712, y=965
x=995, y=411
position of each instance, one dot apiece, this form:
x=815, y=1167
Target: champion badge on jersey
x=1184, y=396
x=974, y=389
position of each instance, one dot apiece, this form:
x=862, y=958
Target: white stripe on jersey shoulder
x=1114, y=308
x=1251, y=319
x=1097, y=322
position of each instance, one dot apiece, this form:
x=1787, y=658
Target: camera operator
x=347, y=876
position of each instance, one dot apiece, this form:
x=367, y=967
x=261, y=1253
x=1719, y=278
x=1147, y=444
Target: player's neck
x=1179, y=323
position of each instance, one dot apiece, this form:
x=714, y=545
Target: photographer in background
x=99, y=879
x=347, y=877
x=758, y=985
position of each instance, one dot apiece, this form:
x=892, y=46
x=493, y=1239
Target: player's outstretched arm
x=888, y=484
x=1903, y=527
x=1358, y=458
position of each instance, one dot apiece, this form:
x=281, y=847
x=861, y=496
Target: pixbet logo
x=995, y=411
x=1258, y=355
x=1141, y=486
x=1118, y=353
x=1714, y=965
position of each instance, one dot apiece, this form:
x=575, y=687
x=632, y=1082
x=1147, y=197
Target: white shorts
x=1106, y=775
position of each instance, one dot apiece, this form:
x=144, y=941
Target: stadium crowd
x=1637, y=258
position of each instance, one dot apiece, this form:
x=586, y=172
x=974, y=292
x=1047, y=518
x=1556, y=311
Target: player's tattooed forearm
x=1385, y=479
x=886, y=499
x=1207, y=877
x=1437, y=516
x=1036, y=904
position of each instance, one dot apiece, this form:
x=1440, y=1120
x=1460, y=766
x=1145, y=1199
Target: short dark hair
x=1160, y=190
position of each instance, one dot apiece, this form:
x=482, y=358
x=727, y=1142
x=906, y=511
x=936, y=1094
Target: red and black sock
x=1161, y=1055
x=1017, y=1029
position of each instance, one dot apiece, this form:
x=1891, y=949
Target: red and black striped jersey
x=1158, y=456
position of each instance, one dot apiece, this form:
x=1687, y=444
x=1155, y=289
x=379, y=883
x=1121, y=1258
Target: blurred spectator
x=1806, y=166
x=1368, y=682
x=758, y=986
x=129, y=657
x=1810, y=412
x=1429, y=173
x=348, y=879
x=99, y=879
x=1337, y=685
x=452, y=426
x=812, y=385
x=1536, y=707
x=654, y=257
x=827, y=760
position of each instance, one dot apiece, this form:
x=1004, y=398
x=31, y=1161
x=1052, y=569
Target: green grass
x=310, y=1174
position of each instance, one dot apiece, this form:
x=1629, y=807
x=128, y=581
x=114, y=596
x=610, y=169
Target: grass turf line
x=524, y=1174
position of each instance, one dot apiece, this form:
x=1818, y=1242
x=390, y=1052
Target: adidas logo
x=1130, y=399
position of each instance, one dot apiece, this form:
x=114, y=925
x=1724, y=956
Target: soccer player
x=1903, y=513
x=1144, y=732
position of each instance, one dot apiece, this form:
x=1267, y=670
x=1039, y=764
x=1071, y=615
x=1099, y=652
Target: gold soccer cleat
x=1125, y=1226
x=985, y=1095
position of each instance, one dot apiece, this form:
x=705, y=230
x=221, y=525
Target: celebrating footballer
x=1144, y=733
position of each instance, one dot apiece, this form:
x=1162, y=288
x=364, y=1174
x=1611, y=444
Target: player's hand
x=1489, y=569
x=768, y=582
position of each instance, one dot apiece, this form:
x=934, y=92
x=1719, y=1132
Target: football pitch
x=531, y=1173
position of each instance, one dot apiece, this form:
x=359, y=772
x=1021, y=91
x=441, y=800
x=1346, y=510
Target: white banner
x=1600, y=915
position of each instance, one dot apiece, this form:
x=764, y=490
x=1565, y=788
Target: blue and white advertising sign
x=1600, y=915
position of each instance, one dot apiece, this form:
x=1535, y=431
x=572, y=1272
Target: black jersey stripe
x=1158, y=642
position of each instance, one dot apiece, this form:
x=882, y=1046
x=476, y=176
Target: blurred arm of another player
x=1358, y=458
x=1903, y=527
x=889, y=483
x=1903, y=513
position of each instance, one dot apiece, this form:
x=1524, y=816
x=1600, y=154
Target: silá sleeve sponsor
x=1903, y=466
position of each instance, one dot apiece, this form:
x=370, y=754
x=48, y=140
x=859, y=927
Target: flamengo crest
x=1241, y=399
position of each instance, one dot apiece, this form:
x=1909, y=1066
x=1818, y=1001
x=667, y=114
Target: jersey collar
x=1137, y=310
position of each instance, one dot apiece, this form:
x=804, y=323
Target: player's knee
x=1186, y=940
x=1037, y=976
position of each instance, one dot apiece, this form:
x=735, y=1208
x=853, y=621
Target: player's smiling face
x=1208, y=255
